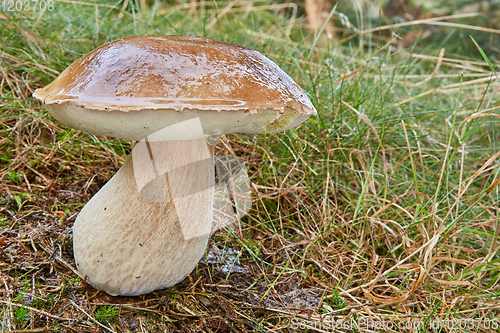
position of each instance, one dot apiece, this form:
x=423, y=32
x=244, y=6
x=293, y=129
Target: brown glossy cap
x=180, y=72
x=130, y=87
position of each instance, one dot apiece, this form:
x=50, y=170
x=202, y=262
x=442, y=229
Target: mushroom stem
x=135, y=236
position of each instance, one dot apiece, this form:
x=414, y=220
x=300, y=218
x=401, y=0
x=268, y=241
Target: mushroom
x=148, y=227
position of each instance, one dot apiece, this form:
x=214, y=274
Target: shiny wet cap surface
x=175, y=72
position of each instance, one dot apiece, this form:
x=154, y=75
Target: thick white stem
x=127, y=244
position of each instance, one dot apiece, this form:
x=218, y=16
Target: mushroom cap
x=133, y=86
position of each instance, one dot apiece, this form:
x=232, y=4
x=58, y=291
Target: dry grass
x=383, y=208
